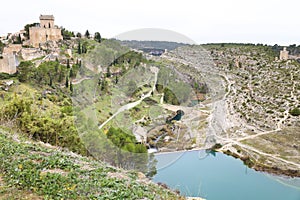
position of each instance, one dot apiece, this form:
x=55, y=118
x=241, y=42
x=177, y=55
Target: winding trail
x=129, y=106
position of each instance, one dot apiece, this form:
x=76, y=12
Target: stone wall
x=41, y=35
x=31, y=53
x=8, y=64
x=12, y=48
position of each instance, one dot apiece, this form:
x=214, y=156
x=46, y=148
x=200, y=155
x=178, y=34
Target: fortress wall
x=54, y=34
x=41, y=35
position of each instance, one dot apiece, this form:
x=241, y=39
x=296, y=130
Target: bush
x=5, y=76
x=295, y=112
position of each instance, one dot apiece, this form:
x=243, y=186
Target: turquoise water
x=221, y=177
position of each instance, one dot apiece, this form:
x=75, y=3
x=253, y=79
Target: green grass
x=31, y=169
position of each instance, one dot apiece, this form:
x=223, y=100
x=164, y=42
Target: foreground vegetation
x=33, y=170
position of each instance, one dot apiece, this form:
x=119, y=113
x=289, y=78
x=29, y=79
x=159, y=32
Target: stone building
x=284, y=54
x=45, y=31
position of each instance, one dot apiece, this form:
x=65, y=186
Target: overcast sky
x=203, y=21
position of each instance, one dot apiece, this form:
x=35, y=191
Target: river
x=215, y=176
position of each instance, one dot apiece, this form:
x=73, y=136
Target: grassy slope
x=31, y=170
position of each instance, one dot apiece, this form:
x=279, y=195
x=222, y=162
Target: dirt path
x=77, y=81
x=129, y=106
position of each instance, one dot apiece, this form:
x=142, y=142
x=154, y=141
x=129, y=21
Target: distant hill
x=146, y=45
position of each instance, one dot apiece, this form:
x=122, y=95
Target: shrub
x=295, y=112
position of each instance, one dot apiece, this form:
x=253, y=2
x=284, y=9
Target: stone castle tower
x=284, y=54
x=47, y=21
x=45, y=31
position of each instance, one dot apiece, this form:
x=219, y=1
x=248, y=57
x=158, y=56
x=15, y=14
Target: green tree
x=104, y=85
x=19, y=39
x=87, y=34
x=71, y=86
x=26, y=28
x=71, y=73
x=116, y=80
x=295, y=112
x=128, y=152
x=108, y=74
x=84, y=48
x=170, y=97
x=79, y=48
x=26, y=71
x=97, y=37
x=68, y=63
x=78, y=35
x=67, y=82
x=66, y=34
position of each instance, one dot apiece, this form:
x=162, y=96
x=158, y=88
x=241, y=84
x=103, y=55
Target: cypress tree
x=71, y=73
x=71, y=86
x=87, y=34
x=67, y=82
x=68, y=63
x=79, y=51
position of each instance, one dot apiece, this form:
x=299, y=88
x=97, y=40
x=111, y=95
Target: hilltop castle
x=45, y=31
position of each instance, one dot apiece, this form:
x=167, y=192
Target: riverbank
x=257, y=166
x=249, y=162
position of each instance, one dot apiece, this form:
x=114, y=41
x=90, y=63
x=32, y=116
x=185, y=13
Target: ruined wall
x=12, y=48
x=31, y=53
x=41, y=35
x=8, y=64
